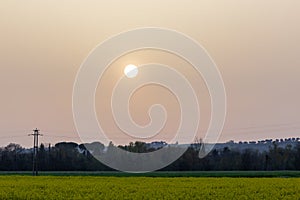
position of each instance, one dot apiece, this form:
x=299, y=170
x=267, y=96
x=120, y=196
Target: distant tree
x=66, y=156
x=297, y=157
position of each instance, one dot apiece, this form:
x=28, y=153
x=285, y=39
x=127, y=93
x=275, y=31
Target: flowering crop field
x=95, y=187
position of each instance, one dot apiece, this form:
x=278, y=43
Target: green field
x=245, y=174
x=101, y=187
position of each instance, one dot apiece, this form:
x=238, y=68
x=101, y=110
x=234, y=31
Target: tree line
x=75, y=157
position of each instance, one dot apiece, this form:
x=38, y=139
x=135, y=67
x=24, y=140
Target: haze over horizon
x=254, y=44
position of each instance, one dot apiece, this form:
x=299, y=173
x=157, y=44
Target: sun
x=131, y=71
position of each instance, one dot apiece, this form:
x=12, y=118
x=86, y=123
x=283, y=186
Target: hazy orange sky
x=255, y=44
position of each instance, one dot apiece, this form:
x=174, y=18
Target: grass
x=101, y=187
x=232, y=174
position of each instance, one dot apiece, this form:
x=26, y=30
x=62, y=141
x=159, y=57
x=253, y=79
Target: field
x=105, y=187
x=239, y=174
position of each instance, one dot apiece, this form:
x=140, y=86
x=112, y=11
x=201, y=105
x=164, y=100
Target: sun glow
x=131, y=71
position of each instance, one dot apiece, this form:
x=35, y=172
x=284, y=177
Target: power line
x=12, y=136
x=284, y=127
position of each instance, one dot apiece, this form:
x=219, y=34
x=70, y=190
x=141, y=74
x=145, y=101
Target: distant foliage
x=73, y=157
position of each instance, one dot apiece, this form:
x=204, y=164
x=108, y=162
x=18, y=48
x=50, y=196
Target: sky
x=255, y=45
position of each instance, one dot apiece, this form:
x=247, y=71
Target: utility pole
x=35, y=134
